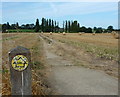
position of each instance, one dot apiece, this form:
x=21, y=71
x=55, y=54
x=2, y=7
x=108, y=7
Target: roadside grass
x=32, y=42
x=37, y=65
x=6, y=85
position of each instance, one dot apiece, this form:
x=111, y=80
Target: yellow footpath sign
x=20, y=62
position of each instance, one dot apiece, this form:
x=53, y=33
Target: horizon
x=88, y=14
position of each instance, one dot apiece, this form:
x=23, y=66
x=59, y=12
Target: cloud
x=29, y=11
x=66, y=9
x=58, y=9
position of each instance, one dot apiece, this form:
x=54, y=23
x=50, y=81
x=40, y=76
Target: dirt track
x=67, y=79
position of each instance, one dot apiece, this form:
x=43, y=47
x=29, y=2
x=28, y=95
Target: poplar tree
x=52, y=26
x=43, y=24
x=66, y=26
x=37, y=27
x=63, y=26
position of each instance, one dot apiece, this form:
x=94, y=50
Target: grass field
x=20, y=30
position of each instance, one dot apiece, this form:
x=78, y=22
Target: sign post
x=20, y=71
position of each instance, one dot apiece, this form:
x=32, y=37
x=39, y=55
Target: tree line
x=47, y=25
x=50, y=25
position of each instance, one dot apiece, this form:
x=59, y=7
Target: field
x=103, y=45
x=20, y=30
x=99, y=52
x=32, y=42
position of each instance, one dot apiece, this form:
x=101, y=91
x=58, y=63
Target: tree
x=23, y=26
x=37, y=27
x=55, y=26
x=66, y=26
x=63, y=26
x=74, y=27
x=31, y=26
x=17, y=25
x=4, y=28
x=94, y=29
x=52, y=26
x=7, y=25
x=27, y=26
x=88, y=30
x=105, y=31
x=83, y=29
x=110, y=29
x=47, y=26
x=13, y=26
x=78, y=29
x=43, y=24
x=99, y=30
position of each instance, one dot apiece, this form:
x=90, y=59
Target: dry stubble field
x=32, y=42
x=98, y=51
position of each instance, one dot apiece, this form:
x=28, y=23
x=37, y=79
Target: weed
x=37, y=65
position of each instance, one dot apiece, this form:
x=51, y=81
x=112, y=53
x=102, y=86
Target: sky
x=89, y=14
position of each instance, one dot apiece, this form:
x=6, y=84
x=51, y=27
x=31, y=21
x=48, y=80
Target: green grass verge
x=20, y=30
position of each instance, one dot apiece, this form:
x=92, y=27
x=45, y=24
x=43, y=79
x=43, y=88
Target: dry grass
x=6, y=87
x=99, y=51
x=115, y=35
x=99, y=39
x=32, y=42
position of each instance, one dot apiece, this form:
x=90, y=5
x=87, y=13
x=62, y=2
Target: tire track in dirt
x=67, y=79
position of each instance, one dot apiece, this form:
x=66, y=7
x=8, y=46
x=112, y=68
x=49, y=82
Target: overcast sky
x=89, y=14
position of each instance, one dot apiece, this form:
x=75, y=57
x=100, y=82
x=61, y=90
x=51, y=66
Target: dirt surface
x=67, y=79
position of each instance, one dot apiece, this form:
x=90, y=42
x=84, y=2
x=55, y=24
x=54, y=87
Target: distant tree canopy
x=99, y=30
x=82, y=29
x=4, y=27
x=110, y=29
x=27, y=26
x=50, y=25
x=88, y=30
x=71, y=26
